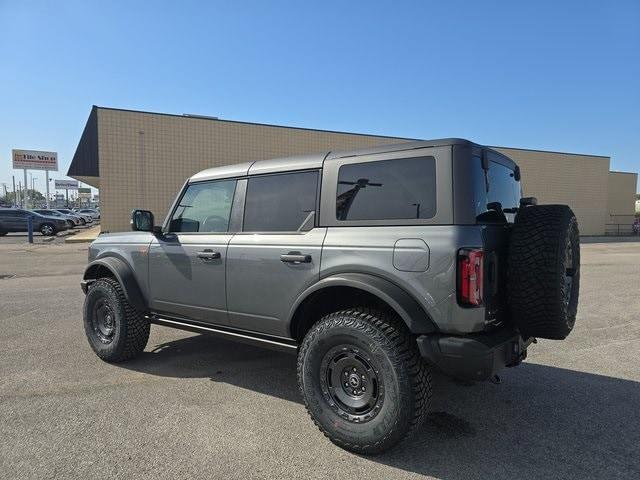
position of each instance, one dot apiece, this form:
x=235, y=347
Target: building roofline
x=215, y=119
x=550, y=151
x=626, y=173
x=409, y=139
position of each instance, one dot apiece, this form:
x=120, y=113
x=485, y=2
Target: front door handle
x=295, y=257
x=208, y=254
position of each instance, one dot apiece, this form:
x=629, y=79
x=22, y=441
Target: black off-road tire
x=402, y=379
x=129, y=329
x=83, y=222
x=544, y=271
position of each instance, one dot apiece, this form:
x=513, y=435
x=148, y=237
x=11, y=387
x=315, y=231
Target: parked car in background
x=84, y=218
x=15, y=220
x=95, y=214
x=72, y=220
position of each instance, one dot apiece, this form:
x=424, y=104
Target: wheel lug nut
x=354, y=369
x=363, y=389
x=346, y=384
x=363, y=377
x=355, y=393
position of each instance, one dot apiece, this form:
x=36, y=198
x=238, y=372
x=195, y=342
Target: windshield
x=497, y=188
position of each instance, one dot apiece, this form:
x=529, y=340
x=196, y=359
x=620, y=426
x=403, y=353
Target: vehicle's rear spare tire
x=544, y=271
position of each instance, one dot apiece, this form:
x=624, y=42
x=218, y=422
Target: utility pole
x=15, y=197
x=24, y=196
x=47, y=182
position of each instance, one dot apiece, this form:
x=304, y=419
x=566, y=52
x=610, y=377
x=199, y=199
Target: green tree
x=33, y=197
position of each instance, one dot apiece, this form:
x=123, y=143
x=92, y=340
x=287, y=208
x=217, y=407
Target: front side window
x=204, y=207
x=401, y=189
x=280, y=203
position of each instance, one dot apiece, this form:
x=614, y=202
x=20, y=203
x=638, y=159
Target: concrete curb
x=86, y=236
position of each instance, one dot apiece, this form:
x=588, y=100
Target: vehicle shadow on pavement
x=541, y=422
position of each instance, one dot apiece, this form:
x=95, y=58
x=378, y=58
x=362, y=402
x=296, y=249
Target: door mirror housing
x=141, y=221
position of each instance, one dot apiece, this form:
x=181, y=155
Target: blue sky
x=548, y=75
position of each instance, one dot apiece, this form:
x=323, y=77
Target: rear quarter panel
x=371, y=250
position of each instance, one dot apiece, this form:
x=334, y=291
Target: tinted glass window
x=499, y=186
x=387, y=190
x=13, y=213
x=204, y=207
x=280, y=203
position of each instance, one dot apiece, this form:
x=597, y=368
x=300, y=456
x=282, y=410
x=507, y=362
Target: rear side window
x=204, y=207
x=498, y=186
x=387, y=190
x=280, y=203
x=13, y=213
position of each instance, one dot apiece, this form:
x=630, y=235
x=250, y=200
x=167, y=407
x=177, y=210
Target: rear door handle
x=208, y=254
x=295, y=257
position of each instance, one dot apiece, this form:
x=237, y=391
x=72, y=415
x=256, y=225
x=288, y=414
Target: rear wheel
x=363, y=380
x=116, y=330
x=47, y=229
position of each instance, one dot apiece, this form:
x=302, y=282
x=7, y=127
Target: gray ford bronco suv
x=374, y=266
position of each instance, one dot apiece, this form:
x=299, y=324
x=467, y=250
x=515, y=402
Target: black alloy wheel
x=351, y=384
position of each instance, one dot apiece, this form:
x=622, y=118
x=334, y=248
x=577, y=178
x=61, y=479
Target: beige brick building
x=141, y=159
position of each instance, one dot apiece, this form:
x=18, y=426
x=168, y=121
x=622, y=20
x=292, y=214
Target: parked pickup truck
x=373, y=266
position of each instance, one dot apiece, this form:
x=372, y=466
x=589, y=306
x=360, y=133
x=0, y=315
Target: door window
x=204, y=207
x=280, y=203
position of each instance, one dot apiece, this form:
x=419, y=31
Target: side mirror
x=142, y=221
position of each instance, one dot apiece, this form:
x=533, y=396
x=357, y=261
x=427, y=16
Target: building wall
x=621, y=197
x=146, y=158
x=580, y=181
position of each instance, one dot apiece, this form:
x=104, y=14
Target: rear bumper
x=476, y=356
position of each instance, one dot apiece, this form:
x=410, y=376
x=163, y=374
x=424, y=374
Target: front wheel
x=363, y=380
x=115, y=329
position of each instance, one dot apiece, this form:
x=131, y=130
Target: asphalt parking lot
x=198, y=407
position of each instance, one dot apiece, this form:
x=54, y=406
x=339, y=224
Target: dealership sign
x=84, y=193
x=35, y=160
x=66, y=184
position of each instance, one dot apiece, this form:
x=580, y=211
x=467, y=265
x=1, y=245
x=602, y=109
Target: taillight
x=470, y=276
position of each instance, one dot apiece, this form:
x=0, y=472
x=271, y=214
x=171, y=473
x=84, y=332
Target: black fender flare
x=122, y=273
x=409, y=310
